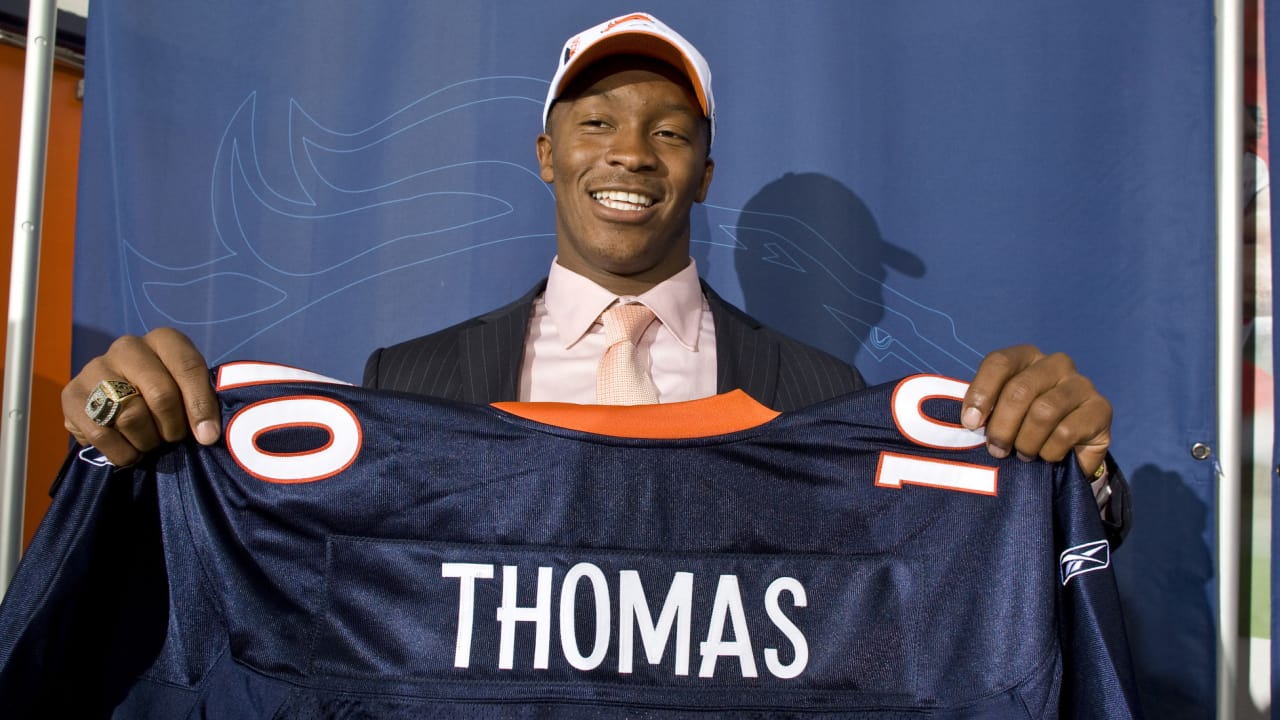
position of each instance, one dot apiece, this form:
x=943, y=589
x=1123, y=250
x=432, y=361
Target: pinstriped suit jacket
x=479, y=360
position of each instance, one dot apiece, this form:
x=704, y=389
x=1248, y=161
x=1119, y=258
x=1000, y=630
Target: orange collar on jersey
x=716, y=415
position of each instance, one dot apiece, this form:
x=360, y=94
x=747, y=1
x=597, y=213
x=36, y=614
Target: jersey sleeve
x=70, y=639
x=1098, y=679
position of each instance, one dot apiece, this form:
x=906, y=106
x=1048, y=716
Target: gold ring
x=106, y=400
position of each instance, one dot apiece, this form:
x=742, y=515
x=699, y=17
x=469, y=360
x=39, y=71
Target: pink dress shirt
x=566, y=340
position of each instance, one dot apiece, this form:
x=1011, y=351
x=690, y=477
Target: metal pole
x=27, y=218
x=1228, y=112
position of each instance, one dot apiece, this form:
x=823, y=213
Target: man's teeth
x=619, y=200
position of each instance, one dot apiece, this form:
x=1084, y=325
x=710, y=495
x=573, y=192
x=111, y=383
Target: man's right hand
x=175, y=397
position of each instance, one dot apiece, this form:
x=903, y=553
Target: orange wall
x=48, y=440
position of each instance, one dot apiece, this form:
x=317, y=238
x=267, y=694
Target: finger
x=1031, y=402
x=1089, y=435
x=151, y=417
x=116, y=447
x=75, y=395
x=1019, y=395
x=993, y=374
x=1061, y=417
x=134, y=430
x=136, y=423
x=191, y=403
x=1091, y=456
x=75, y=433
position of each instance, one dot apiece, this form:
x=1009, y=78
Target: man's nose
x=633, y=150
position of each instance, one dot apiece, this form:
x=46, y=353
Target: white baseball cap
x=634, y=34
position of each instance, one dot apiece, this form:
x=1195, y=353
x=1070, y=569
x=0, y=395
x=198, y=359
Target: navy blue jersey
x=344, y=552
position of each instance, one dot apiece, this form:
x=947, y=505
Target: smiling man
x=629, y=122
x=628, y=151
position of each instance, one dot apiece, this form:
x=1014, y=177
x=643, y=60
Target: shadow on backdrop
x=1170, y=622
x=812, y=262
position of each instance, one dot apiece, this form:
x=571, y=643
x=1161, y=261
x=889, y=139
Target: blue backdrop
x=907, y=185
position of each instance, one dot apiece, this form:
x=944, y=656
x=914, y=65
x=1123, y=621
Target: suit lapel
x=746, y=357
x=492, y=349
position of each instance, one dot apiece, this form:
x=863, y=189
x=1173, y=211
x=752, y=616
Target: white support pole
x=1228, y=114
x=27, y=218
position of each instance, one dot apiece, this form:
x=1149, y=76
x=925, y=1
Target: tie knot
x=625, y=322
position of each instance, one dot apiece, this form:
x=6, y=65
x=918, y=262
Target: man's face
x=626, y=148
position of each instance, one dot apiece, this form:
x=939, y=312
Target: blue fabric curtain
x=907, y=185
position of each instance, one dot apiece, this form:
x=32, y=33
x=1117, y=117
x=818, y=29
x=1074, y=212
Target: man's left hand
x=1038, y=405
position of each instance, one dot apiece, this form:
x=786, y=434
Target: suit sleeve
x=1117, y=517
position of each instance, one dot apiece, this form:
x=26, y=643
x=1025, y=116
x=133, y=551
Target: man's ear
x=545, y=171
x=707, y=172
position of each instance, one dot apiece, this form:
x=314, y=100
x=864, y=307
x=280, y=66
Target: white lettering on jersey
x=633, y=611
x=897, y=469
x=239, y=374
x=467, y=574
x=247, y=426
x=540, y=615
x=786, y=627
x=908, y=413
x=568, y=626
x=727, y=603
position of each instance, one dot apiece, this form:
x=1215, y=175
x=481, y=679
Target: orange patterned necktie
x=622, y=379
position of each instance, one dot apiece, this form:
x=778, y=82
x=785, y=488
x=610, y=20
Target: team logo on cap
x=627, y=18
x=1083, y=559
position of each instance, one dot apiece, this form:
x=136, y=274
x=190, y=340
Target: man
x=628, y=125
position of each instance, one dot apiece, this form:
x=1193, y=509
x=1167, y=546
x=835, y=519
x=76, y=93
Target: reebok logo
x=93, y=457
x=1085, y=558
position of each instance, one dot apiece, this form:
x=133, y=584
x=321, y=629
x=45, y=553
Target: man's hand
x=175, y=396
x=1038, y=405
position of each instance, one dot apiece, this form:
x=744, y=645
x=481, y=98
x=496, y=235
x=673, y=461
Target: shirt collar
x=575, y=303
